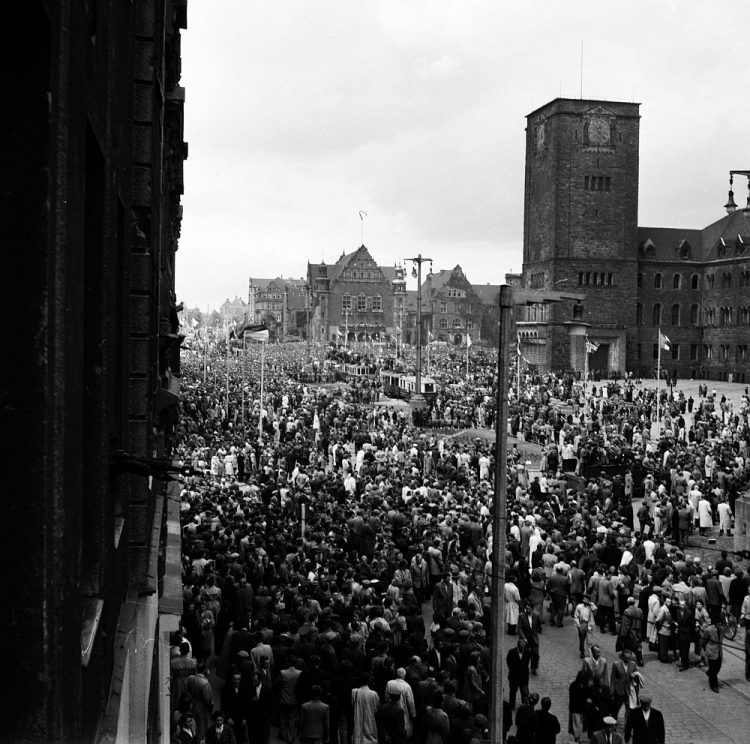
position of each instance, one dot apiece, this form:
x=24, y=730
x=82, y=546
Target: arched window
x=676, y=281
x=743, y=315
x=676, y=314
x=639, y=314
x=456, y=322
x=657, y=281
x=656, y=319
x=695, y=282
x=694, y=314
x=710, y=315
x=709, y=281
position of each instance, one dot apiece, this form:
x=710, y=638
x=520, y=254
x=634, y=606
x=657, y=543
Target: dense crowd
x=323, y=525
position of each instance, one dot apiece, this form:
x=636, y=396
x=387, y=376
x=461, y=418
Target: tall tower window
x=675, y=315
x=657, y=315
x=695, y=282
x=676, y=280
x=657, y=281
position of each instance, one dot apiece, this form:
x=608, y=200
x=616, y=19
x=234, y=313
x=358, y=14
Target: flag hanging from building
x=591, y=347
x=253, y=331
x=664, y=342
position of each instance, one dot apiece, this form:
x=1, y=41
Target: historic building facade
x=453, y=309
x=92, y=176
x=581, y=233
x=356, y=300
x=279, y=303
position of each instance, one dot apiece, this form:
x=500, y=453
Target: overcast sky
x=299, y=115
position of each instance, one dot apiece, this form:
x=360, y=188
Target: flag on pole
x=253, y=331
x=664, y=342
x=468, y=340
x=518, y=345
x=194, y=322
x=591, y=347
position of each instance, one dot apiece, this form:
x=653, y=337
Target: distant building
x=278, y=303
x=356, y=299
x=233, y=311
x=581, y=233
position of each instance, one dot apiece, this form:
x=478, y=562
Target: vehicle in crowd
x=356, y=372
x=401, y=385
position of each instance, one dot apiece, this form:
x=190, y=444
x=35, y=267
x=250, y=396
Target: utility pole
x=307, y=319
x=418, y=401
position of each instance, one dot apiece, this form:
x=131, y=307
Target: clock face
x=541, y=137
x=599, y=131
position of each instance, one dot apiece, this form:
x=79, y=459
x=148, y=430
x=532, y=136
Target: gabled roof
x=489, y=294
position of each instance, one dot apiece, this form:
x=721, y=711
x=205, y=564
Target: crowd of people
x=337, y=558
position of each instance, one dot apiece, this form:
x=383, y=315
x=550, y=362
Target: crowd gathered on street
x=337, y=558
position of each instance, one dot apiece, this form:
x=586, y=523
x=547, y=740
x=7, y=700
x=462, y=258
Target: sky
x=316, y=125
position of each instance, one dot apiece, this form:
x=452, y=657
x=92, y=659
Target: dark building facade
x=581, y=233
x=92, y=153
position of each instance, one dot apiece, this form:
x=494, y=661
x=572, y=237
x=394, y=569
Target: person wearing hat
x=398, y=690
x=391, y=719
x=529, y=627
x=645, y=724
x=607, y=735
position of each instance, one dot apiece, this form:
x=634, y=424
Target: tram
x=400, y=385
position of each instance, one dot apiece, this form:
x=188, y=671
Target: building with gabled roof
x=356, y=299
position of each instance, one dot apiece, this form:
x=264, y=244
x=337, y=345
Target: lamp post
x=418, y=401
x=307, y=319
x=509, y=297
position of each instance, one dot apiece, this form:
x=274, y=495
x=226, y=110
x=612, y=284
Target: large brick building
x=92, y=162
x=581, y=233
x=356, y=299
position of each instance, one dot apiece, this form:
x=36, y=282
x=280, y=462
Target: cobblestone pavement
x=692, y=712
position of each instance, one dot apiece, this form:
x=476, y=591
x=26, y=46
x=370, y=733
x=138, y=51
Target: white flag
x=664, y=342
x=468, y=340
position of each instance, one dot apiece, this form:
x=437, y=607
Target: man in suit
x=685, y=633
x=620, y=681
x=595, y=667
x=392, y=720
x=517, y=661
x=607, y=735
x=235, y=701
x=442, y=597
x=529, y=628
x=645, y=724
x=314, y=719
x=259, y=710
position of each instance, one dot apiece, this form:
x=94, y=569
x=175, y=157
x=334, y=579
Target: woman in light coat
x=512, y=604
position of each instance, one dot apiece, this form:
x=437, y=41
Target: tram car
x=400, y=385
x=355, y=372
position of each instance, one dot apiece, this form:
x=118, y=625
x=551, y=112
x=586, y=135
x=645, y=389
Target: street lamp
x=418, y=401
x=509, y=297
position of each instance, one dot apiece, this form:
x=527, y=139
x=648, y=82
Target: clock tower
x=580, y=227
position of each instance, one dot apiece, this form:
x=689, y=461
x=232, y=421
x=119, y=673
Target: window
x=675, y=352
x=346, y=302
x=708, y=351
x=639, y=282
x=656, y=318
x=710, y=315
x=725, y=315
x=709, y=281
x=695, y=282
x=456, y=322
x=694, y=314
x=743, y=315
x=656, y=351
x=609, y=280
x=377, y=304
x=726, y=280
x=470, y=325
x=580, y=277
x=693, y=352
x=675, y=315
x=361, y=303
x=639, y=314
x=724, y=350
x=443, y=323
x=443, y=307
x=657, y=281
x=742, y=352
x=676, y=281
